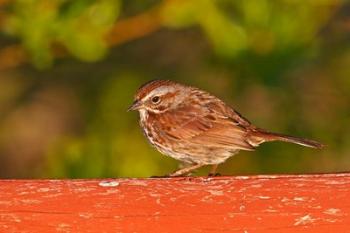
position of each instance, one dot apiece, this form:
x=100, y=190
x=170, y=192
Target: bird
x=197, y=128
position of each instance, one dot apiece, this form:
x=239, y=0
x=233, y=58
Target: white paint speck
x=299, y=198
x=157, y=213
x=216, y=192
x=85, y=215
x=264, y=197
x=63, y=227
x=332, y=211
x=304, y=220
x=242, y=207
x=43, y=190
x=331, y=220
x=23, y=193
x=108, y=183
x=208, y=178
x=154, y=194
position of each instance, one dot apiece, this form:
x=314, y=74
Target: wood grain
x=296, y=203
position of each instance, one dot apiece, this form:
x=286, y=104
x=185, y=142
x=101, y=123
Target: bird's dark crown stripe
x=150, y=86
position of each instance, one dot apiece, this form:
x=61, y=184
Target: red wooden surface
x=308, y=203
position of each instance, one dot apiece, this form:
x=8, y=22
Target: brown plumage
x=196, y=127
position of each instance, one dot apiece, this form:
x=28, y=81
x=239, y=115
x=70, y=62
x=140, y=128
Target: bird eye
x=155, y=99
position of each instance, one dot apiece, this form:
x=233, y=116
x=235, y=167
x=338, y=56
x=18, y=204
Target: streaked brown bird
x=197, y=128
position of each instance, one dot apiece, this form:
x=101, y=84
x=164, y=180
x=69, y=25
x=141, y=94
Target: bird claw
x=164, y=176
x=214, y=174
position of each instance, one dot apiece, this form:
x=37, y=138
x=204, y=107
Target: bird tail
x=259, y=136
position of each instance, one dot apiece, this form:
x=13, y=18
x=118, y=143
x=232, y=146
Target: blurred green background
x=69, y=70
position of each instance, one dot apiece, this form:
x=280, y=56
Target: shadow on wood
x=306, y=203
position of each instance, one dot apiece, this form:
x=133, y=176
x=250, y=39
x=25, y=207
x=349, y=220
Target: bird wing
x=213, y=125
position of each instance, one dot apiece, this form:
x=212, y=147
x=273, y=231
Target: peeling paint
x=287, y=203
x=154, y=194
x=304, y=220
x=216, y=192
x=264, y=197
x=242, y=208
x=108, y=183
x=85, y=215
x=43, y=190
x=331, y=220
x=63, y=227
x=299, y=198
x=332, y=211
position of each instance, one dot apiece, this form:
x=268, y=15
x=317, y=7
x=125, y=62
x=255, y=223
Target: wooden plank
x=289, y=204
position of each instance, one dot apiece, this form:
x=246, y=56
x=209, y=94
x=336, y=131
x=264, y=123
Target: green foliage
x=257, y=25
x=225, y=34
x=79, y=25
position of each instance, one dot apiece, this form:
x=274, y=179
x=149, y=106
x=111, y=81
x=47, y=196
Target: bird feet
x=164, y=176
x=214, y=174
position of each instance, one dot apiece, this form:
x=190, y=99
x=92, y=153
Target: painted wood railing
x=245, y=204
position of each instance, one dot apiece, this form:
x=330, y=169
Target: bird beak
x=135, y=106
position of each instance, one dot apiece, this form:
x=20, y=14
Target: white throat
x=143, y=115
